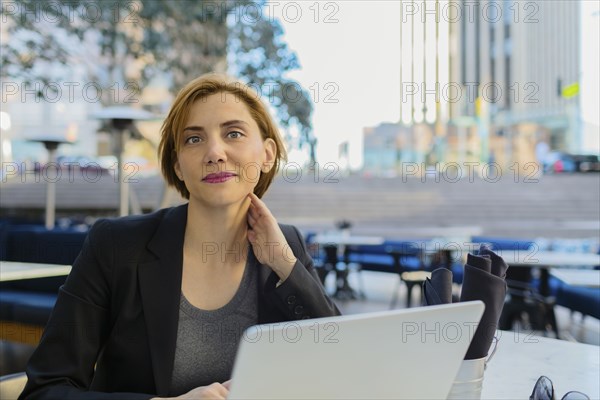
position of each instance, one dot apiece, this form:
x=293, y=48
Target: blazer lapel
x=266, y=279
x=160, y=288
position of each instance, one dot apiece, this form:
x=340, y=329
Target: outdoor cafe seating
x=532, y=292
x=404, y=258
x=26, y=304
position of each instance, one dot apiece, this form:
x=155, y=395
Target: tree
x=129, y=43
x=260, y=55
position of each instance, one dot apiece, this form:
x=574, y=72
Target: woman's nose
x=215, y=152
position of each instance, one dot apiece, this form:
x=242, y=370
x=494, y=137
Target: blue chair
x=504, y=243
x=585, y=300
x=30, y=302
x=36, y=244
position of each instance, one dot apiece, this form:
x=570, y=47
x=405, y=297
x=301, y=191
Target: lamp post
x=51, y=144
x=5, y=143
x=121, y=120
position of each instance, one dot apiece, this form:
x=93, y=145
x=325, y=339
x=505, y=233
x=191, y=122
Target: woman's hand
x=218, y=391
x=268, y=242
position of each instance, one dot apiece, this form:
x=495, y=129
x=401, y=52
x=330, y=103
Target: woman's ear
x=177, y=170
x=270, y=151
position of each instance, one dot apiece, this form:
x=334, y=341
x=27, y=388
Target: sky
x=590, y=78
x=348, y=51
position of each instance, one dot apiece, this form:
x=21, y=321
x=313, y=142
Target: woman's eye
x=192, y=140
x=234, y=134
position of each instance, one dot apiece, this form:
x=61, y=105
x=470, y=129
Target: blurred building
x=490, y=80
x=589, y=86
x=387, y=146
x=381, y=149
x=526, y=65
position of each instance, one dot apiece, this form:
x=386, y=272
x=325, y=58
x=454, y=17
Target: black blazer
x=118, y=310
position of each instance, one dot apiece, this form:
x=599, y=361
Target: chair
x=332, y=263
x=409, y=276
x=25, y=306
x=329, y=261
x=412, y=279
x=356, y=267
x=585, y=300
x=12, y=385
x=321, y=267
x=524, y=299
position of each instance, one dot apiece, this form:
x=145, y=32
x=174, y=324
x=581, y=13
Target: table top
x=514, y=257
x=517, y=258
x=13, y=271
x=521, y=359
x=578, y=277
x=340, y=239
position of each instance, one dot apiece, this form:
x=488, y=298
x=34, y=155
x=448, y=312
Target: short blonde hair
x=202, y=87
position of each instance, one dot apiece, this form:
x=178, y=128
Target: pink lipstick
x=218, y=177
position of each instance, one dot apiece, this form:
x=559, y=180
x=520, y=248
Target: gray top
x=207, y=341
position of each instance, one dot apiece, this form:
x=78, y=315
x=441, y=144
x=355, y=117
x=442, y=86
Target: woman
x=156, y=304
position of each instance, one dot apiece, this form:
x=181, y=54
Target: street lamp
x=51, y=144
x=121, y=121
x=5, y=143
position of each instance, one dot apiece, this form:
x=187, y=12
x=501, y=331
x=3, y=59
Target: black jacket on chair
x=113, y=330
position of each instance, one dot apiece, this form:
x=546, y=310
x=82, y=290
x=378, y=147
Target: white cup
x=469, y=379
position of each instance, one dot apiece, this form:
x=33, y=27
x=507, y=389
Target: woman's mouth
x=218, y=177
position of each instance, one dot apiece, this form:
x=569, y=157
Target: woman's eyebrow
x=233, y=122
x=193, y=128
x=223, y=125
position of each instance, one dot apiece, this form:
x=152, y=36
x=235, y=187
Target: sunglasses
x=544, y=390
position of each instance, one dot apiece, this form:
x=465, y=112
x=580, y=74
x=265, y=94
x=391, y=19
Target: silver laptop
x=403, y=354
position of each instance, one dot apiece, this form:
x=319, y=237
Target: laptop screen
x=413, y=354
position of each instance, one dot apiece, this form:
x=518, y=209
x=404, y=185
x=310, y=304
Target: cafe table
x=14, y=271
x=578, y=277
x=547, y=260
x=340, y=240
x=561, y=259
x=521, y=358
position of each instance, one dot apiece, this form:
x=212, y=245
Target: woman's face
x=221, y=151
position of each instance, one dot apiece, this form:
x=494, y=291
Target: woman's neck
x=218, y=235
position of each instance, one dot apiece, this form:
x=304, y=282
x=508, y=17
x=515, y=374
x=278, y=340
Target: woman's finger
x=251, y=236
x=261, y=207
x=255, y=221
x=223, y=391
x=254, y=211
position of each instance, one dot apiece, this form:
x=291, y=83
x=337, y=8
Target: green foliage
x=107, y=42
x=261, y=55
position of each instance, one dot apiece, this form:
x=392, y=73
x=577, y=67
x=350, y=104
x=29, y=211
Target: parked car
x=586, y=163
x=557, y=162
x=81, y=163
